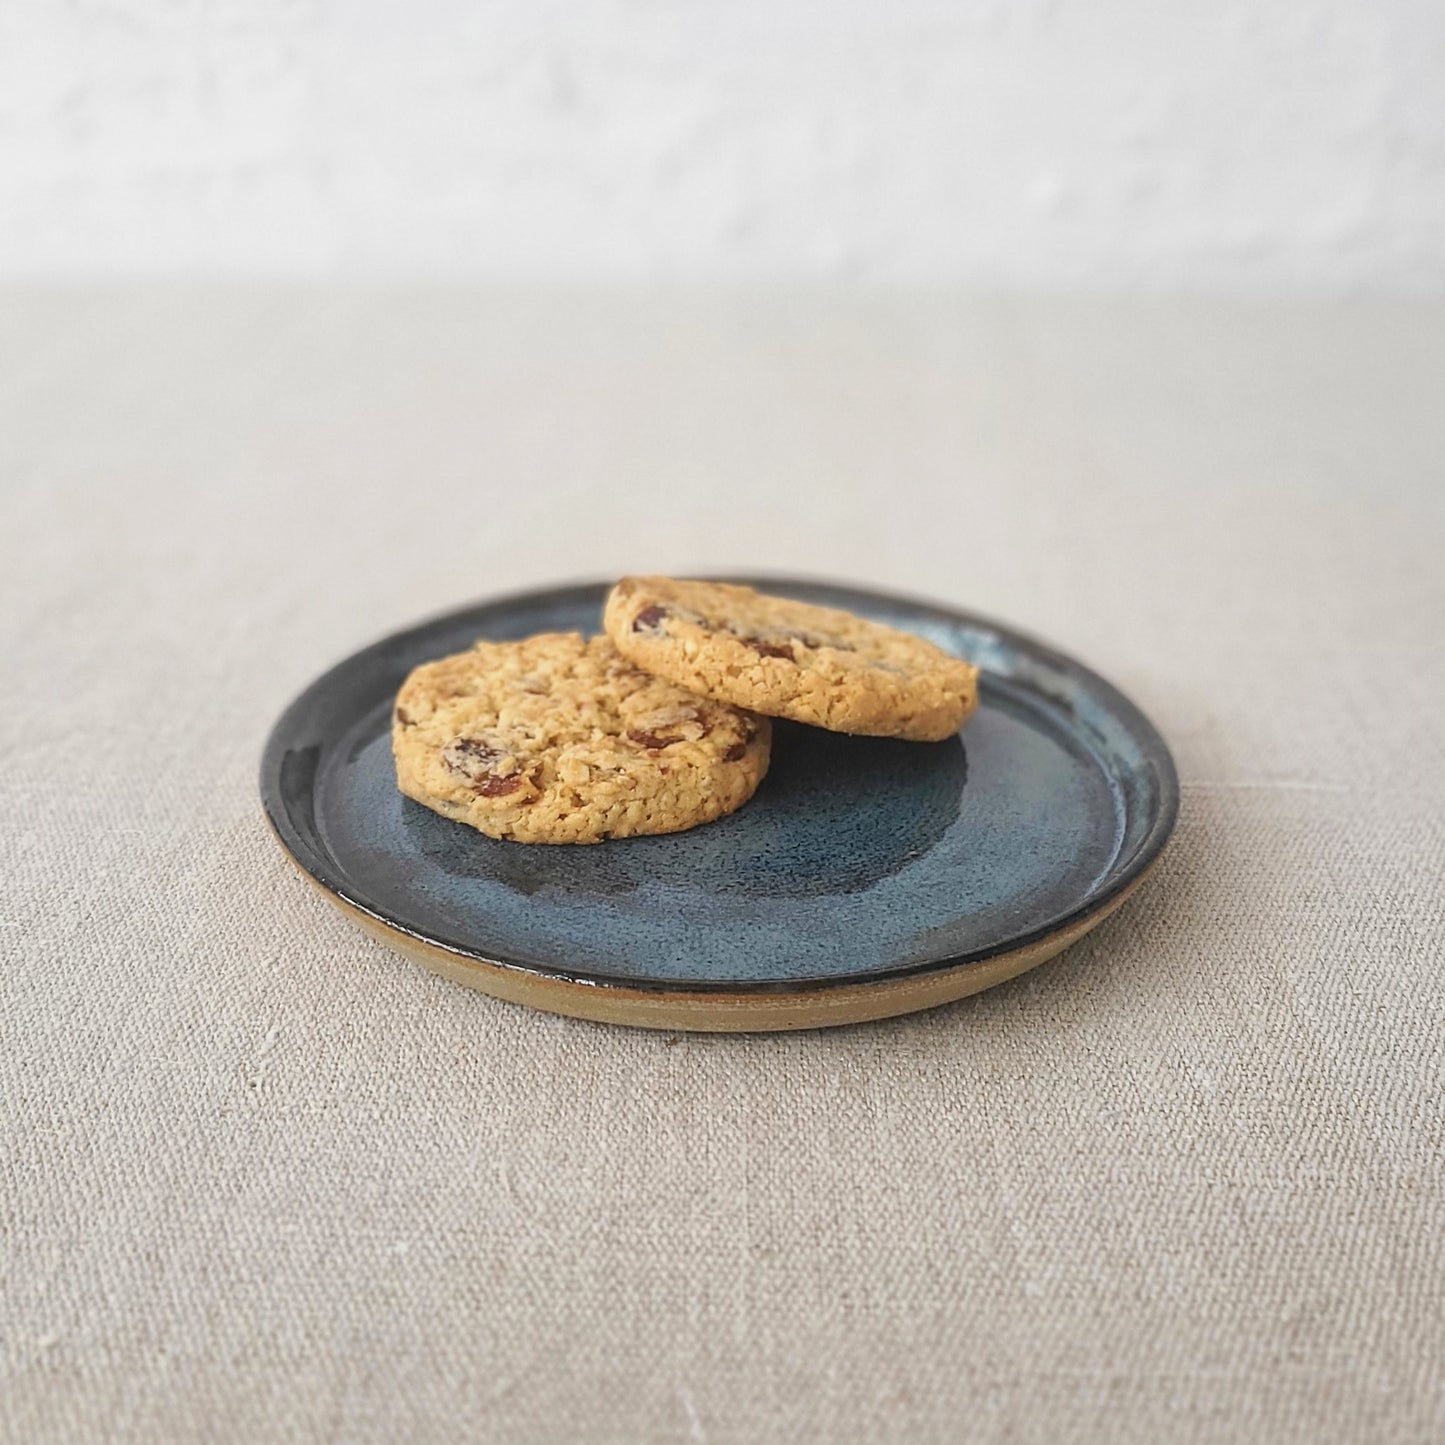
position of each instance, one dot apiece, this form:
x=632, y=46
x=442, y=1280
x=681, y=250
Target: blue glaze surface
x=858, y=857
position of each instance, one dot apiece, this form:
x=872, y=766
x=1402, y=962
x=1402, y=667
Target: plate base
x=678, y=1011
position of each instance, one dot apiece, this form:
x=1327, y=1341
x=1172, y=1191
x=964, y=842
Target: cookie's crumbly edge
x=898, y=685
x=639, y=791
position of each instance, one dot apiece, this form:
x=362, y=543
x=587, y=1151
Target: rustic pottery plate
x=866, y=878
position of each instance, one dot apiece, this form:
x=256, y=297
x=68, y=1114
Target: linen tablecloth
x=262, y=1180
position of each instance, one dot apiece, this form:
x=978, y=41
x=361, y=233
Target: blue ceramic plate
x=867, y=876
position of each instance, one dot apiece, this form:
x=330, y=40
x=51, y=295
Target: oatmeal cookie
x=790, y=659
x=559, y=739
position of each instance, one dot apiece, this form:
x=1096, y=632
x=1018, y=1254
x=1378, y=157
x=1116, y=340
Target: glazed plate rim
x=1121, y=877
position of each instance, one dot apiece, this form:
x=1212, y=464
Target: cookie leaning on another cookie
x=557, y=739
x=791, y=659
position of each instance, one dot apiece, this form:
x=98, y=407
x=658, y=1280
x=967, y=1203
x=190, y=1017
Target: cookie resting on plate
x=559, y=739
x=790, y=659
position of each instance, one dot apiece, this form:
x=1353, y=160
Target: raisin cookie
x=791, y=659
x=558, y=739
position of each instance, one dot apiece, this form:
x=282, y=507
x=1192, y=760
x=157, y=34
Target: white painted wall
x=1248, y=144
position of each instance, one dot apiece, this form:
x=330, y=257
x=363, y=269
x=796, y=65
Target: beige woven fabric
x=262, y=1181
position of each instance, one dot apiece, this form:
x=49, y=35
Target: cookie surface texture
x=559, y=739
x=791, y=659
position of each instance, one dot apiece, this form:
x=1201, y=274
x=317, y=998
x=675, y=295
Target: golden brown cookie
x=558, y=739
x=791, y=659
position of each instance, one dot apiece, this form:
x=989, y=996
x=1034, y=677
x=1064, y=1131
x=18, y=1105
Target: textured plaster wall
x=1299, y=143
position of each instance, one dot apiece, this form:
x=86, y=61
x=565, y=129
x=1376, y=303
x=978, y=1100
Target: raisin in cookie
x=791, y=659
x=558, y=739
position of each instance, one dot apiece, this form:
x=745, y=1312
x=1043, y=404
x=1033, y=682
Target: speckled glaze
x=859, y=862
